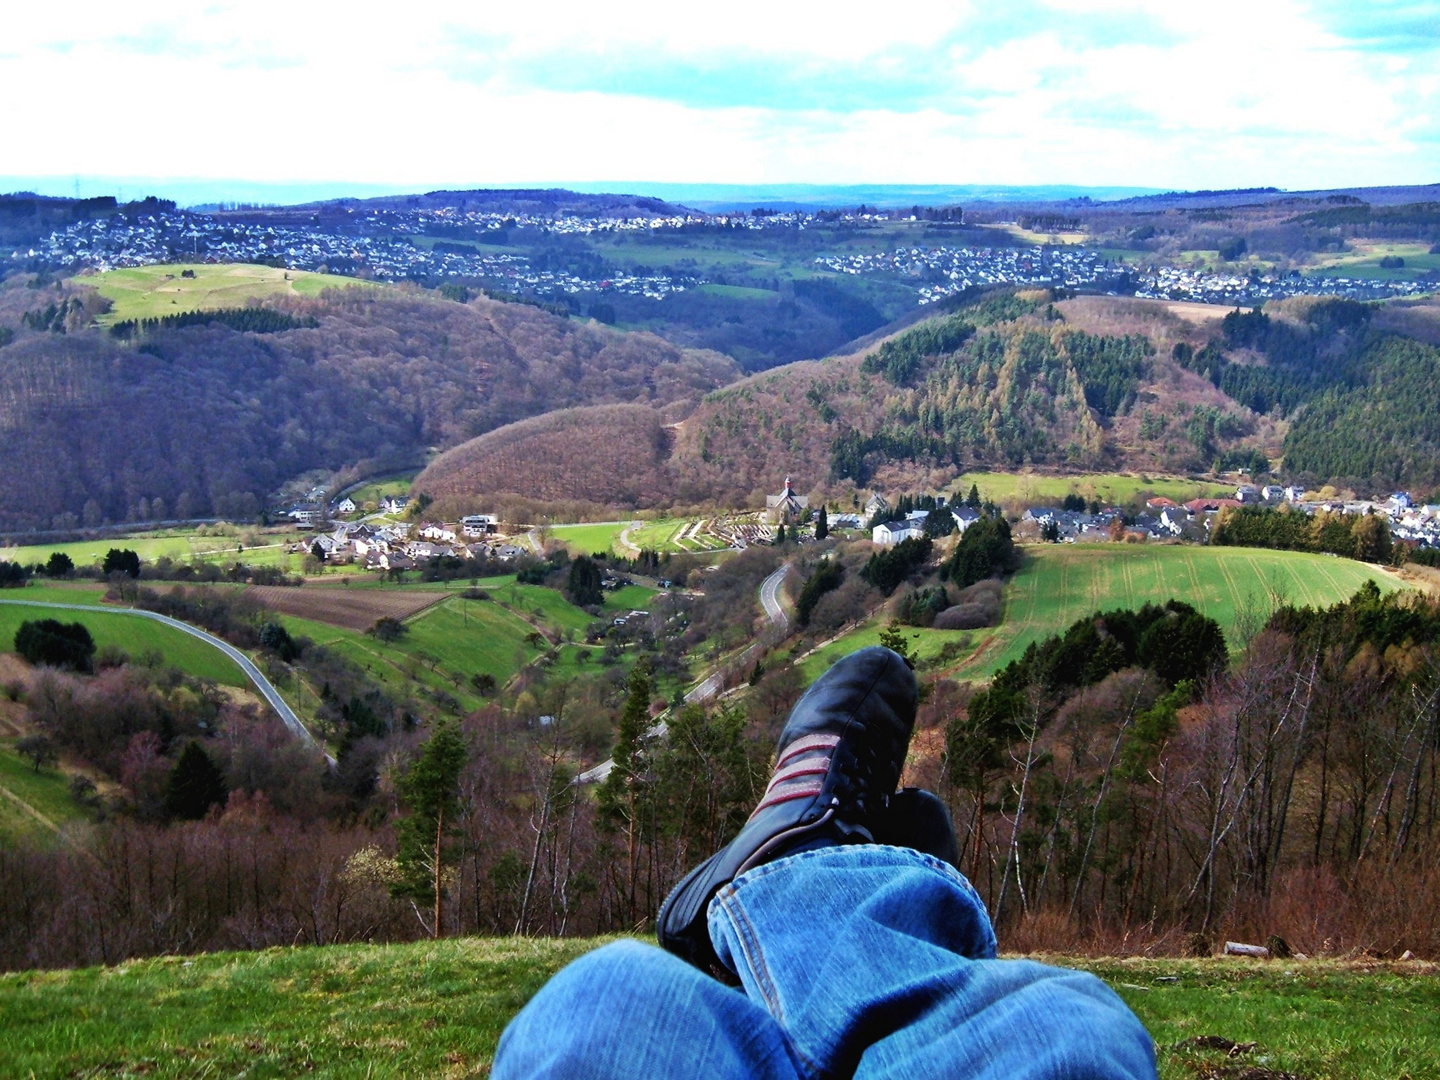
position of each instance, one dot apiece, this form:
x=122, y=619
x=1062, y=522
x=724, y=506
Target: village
x=399, y=245
x=385, y=543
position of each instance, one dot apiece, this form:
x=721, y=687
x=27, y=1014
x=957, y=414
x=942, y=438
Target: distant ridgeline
x=250, y=320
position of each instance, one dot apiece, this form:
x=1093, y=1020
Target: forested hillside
x=207, y=419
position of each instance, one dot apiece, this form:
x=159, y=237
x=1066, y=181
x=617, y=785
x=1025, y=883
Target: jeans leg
x=628, y=1011
x=880, y=961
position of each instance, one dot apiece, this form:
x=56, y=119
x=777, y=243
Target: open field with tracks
x=1060, y=583
x=357, y=609
x=146, y=292
x=438, y=1008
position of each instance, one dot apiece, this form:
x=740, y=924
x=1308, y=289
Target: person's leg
x=880, y=961
x=629, y=1011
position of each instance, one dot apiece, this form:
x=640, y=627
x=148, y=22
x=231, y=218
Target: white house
x=480, y=524
x=345, y=506
x=441, y=533
x=965, y=516
x=1294, y=494
x=394, y=504
x=892, y=532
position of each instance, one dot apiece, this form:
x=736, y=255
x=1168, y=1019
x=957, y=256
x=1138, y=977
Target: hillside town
x=458, y=244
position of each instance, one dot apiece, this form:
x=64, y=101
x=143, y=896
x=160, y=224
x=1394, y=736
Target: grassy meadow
x=130, y=633
x=436, y=1009
x=1112, y=489
x=178, y=544
x=1061, y=583
x=145, y=292
x=34, y=807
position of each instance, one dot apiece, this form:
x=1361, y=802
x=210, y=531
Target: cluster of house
x=948, y=270
x=401, y=546
x=1165, y=519
x=1173, y=283
x=912, y=525
x=379, y=246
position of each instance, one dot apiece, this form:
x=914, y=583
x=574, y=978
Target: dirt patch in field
x=354, y=609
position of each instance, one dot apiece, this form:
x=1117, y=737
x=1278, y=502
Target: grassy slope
x=1062, y=583
x=1110, y=488
x=148, y=291
x=47, y=792
x=180, y=544
x=437, y=1009
x=588, y=539
x=461, y=638
x=135, y=636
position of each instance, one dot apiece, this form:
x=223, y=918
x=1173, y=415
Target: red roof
x=1197, y=506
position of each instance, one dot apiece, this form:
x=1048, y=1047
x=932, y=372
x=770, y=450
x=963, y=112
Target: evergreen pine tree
x=822, y=524
x=195, y=784
x=973, y=499
x=622, y=795
x=430, y=789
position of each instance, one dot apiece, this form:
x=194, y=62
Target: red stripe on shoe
x=786, y=794
x=807, y=745
x=816, y=767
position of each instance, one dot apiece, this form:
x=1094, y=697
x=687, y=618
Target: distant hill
x=209, y=420
x=520, y=201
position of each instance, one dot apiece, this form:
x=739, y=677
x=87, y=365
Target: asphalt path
x=253, y=673
x=770, y=597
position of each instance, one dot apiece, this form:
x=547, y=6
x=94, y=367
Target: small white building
x=345, y=506
x=889, y=533
x=480, y=524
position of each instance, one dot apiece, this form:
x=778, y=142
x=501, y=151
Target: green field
x=1364, y=261
x=437, y=1009
x=145, y=292
x=133, y=634
x=178, y=544
x=449, y=642
x=47, y=792
x=1113, y=489
x=1064, y=582
x=590, y=539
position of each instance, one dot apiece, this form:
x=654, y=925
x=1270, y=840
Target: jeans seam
x=754, y=957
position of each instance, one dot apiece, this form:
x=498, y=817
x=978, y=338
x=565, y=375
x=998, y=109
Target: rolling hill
x=1014, y=381
x=207, y=419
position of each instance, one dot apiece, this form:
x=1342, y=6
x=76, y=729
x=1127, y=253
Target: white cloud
x=1230, y=94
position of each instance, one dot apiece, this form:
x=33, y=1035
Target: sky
x=1229, y=93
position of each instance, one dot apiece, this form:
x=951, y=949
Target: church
x=787, y=508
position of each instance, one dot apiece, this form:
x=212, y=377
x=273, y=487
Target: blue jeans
x=860, y=960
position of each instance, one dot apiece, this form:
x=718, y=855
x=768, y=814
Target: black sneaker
x=838, y=761
x=915, y=818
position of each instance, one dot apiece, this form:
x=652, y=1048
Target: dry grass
x=354, y=609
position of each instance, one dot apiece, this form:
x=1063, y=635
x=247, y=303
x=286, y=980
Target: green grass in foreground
x=1060, y=583
x=131, y=633
x=437, y=1009
x=144, y=292
x=1112, y=489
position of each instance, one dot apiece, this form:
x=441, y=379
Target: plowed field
x=354, y=609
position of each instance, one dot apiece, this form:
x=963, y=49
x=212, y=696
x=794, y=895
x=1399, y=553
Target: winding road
x=253, y=673
x=710, y=686
x=770, y=597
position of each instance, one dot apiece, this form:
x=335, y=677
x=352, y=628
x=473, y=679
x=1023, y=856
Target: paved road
x=770, y=597
x=709, y=687
x=253, y=673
